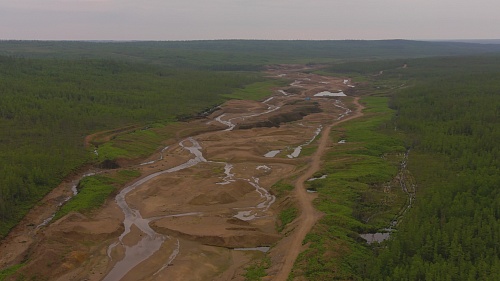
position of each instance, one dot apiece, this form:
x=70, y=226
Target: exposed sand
x=199, y=213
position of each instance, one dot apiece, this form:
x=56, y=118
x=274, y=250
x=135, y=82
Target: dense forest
x=453, y=126
x=233, y=55
x=47, y=107
x=446, y=113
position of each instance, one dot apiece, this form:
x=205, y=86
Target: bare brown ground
x=75, y=247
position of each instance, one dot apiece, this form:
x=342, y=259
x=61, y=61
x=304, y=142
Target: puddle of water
x=298, y=149
x=341, y=105
x=229, y=176
x=46, y=221
x=375, y=237
x=272, y=153
x=316, y=133
x=245, y=215
x=320, y=178
x=261, y=249
x=296, y=152
x=269, y=199
x=268, y=100
x=330, y=94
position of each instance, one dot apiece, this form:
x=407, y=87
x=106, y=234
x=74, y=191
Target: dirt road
x=309, y=215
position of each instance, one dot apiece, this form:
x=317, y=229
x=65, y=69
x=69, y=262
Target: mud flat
x=202, y=208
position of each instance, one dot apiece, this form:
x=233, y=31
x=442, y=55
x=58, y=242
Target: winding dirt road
x=309, y=215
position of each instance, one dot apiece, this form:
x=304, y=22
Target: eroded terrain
x=204, y=209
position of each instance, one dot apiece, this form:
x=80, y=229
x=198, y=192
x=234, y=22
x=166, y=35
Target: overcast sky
x=248, y=19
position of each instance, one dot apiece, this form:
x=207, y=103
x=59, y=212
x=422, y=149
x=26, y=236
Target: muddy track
x=309, y=215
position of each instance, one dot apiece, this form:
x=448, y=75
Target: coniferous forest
x=452, y=120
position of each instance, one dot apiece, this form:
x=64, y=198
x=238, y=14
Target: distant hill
x=475, y=41
x=239, y=54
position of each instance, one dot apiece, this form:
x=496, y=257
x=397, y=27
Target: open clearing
x=207, y=195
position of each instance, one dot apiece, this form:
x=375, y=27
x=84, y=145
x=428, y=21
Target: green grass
x=286, y=216
x=281, y=188
x=308, y=150
x=256, y=271
x=93, y=192
x=140, y=143
x=256, y=91
x=7, y=272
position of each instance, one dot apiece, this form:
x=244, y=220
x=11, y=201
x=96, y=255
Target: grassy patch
x=308, y=150
x=281, y=188
x=256, y=91
x=286, y=216
x=124, y=176
x=5, y=273
x=256, y=271
x=136, y=144
x=143, y=142
x=94, y=190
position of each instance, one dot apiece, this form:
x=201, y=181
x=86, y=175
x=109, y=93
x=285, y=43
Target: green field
x=94, y=190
